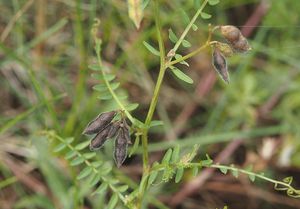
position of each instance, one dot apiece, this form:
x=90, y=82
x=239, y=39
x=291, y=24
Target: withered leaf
x=99, y=123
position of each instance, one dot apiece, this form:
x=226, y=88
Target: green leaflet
x=151, y=48
x=179, y=74
x=205, y=15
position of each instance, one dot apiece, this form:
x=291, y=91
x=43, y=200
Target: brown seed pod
x=230, y=33
x=241, y=45
x=234, y=36
x=220, y=65
x=120, y=148
x=99, y=123
x=127, y=135
x=98, y=141
x=225, y=49
x=114, y=129
x=126, y=131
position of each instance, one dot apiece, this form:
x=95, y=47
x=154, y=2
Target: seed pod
x=120, y=148
x=220, y=65
x=126, y=131
x=99, y=123
x=234, y=36
x=114, y=129
x=225, y=49
x=98, y=141
x=230, y=33
x=241, y=45
x=127, y=135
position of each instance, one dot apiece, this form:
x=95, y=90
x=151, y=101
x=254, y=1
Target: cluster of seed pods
x=105, y=128
x=237, y=43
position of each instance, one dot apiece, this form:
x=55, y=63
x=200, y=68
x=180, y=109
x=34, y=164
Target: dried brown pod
x=220, y=64
x=120, y=148
x=99, y=123
x=234, y=36
x=126, y=131
x=114, y=129
x=225, y=49
x=127, y=135
x=230, y=33
x=241, y=45
x=98, y=141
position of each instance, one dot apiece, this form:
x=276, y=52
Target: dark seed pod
x=127, y=135
x=224, y=48
x=99, y=123
x=126, y=131
x=219, y=63
x=114, y=129
x=120, y=148
x=230, y=33
x=98, y=141
x=234, y=36
x=241, y=45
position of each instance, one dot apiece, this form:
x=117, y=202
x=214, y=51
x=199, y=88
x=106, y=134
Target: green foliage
x=122, y=64
x=96, y=172
x=151, y=49
x=179, y=74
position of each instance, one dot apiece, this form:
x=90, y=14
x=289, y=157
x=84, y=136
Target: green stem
x=193, y=53
x=187, y=29
x=159, y=81
x=284, y=185
x=291, y=191
x=120, y=104
x=163, y=67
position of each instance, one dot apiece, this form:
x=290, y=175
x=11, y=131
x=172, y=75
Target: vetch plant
x=112, y=124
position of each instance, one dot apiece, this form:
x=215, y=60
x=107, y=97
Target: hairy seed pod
x=98, y=141
x=225, y=49
x=114, y=129
x=127, y=135
x=126, y=131
x=241, y=45
x=220, y=65
x=99, y=123
x=234, y=36
x=120, y=148
x=230, y=33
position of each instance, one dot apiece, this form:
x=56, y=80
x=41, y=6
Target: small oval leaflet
x=179, y=74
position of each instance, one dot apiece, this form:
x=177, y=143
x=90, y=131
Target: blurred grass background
x=46, y=47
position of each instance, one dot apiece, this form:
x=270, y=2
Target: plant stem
x=163, y=67
x=187, y=29
x=120, y=104
x=193, y=53
x=159, y=81
x=286, y=186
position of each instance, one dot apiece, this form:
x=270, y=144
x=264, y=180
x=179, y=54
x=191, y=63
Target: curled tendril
x=95, y=27
x=288, y=180
x=285, y=185
x=280, y=187
x=291, y=192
